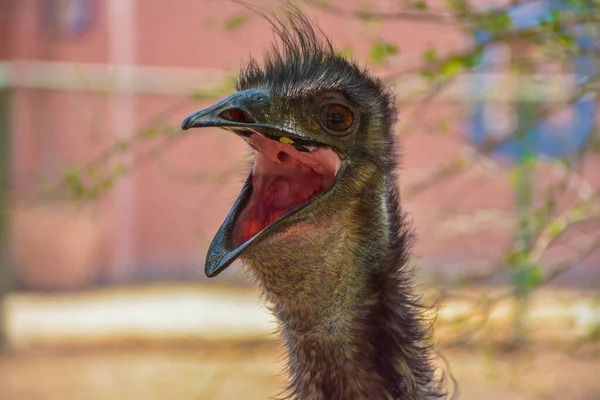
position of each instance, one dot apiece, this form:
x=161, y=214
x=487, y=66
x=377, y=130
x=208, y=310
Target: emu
x=318, y=222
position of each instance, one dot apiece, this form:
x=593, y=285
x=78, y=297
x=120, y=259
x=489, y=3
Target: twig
x=560, y=268
x=412, y=15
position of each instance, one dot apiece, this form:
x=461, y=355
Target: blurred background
x=107, y=208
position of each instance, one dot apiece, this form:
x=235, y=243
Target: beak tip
x=185, y=125
x=211, y=271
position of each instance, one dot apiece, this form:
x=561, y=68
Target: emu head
x=320, y=130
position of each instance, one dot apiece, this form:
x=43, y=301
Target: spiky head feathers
x=302, y=64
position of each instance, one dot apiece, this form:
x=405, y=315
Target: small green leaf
x=555, y=229
x=381, y=51
x=364, y=11
x=93, y=172
x=595, y=144
x=555, y=17
x=502, y=23
x=106, y=185
x=72, y=180
x=452, y=67
x=443, y=127
x=473, y=59
x=124, y=145
x=346, y=53
x=429, y=76
x=420, y=5
x=567, y=42
x=374, y=24
x=430, y=55
x=576, y=214
x=119, y=170
x=235, y=21
x=517, y=258
x=459, y=7
x=496, y=22
x=150, y=133
x=532, y=277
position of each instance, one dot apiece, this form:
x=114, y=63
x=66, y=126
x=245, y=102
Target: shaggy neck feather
x=350, y=324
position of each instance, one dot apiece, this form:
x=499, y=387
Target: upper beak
x=245, y=110
x=242, y=109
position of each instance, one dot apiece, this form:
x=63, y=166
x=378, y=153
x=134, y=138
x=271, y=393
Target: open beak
x=291, y=170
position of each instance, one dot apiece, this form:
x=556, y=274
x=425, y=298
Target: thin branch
x=462, y=163
x=117, y=146
x=560, y=268
x=412, y=15
x=455, y=167
x=467, y=17
x=508, y=36
x=545, y=238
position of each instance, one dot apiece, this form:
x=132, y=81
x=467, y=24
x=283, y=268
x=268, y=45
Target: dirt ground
x=252, y=371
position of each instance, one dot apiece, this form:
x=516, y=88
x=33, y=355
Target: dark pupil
x=337, y=119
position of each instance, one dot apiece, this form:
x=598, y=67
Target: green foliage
x=459, y=7
x=443, y=127
x=452, y=67
x=445, y=69
x=123, y=146
x=528, y=278
x=420, y=5
x=74, y=183
x=364, y=11
x=381, y=51
x=430, y=55
x=496, y=23
x=540, y=217
x=150, y=133
x=346, y=53
x=556, y=228
x=595, y=142
x=235, y=22
x=89, y=183
x=517, y=258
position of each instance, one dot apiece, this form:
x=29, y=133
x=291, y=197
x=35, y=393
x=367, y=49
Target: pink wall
x=176, y=213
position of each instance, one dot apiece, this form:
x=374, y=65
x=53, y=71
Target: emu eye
x=337, y=118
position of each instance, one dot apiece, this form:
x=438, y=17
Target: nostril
x=236, y=115
x=282, y=156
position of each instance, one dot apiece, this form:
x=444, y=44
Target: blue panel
x=547, y=139
x=69, y=17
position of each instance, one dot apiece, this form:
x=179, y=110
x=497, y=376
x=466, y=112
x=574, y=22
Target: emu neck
x=346, y=308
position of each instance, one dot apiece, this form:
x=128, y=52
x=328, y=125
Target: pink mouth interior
x=283, y=179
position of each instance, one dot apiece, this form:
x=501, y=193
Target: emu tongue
x=283, y=179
